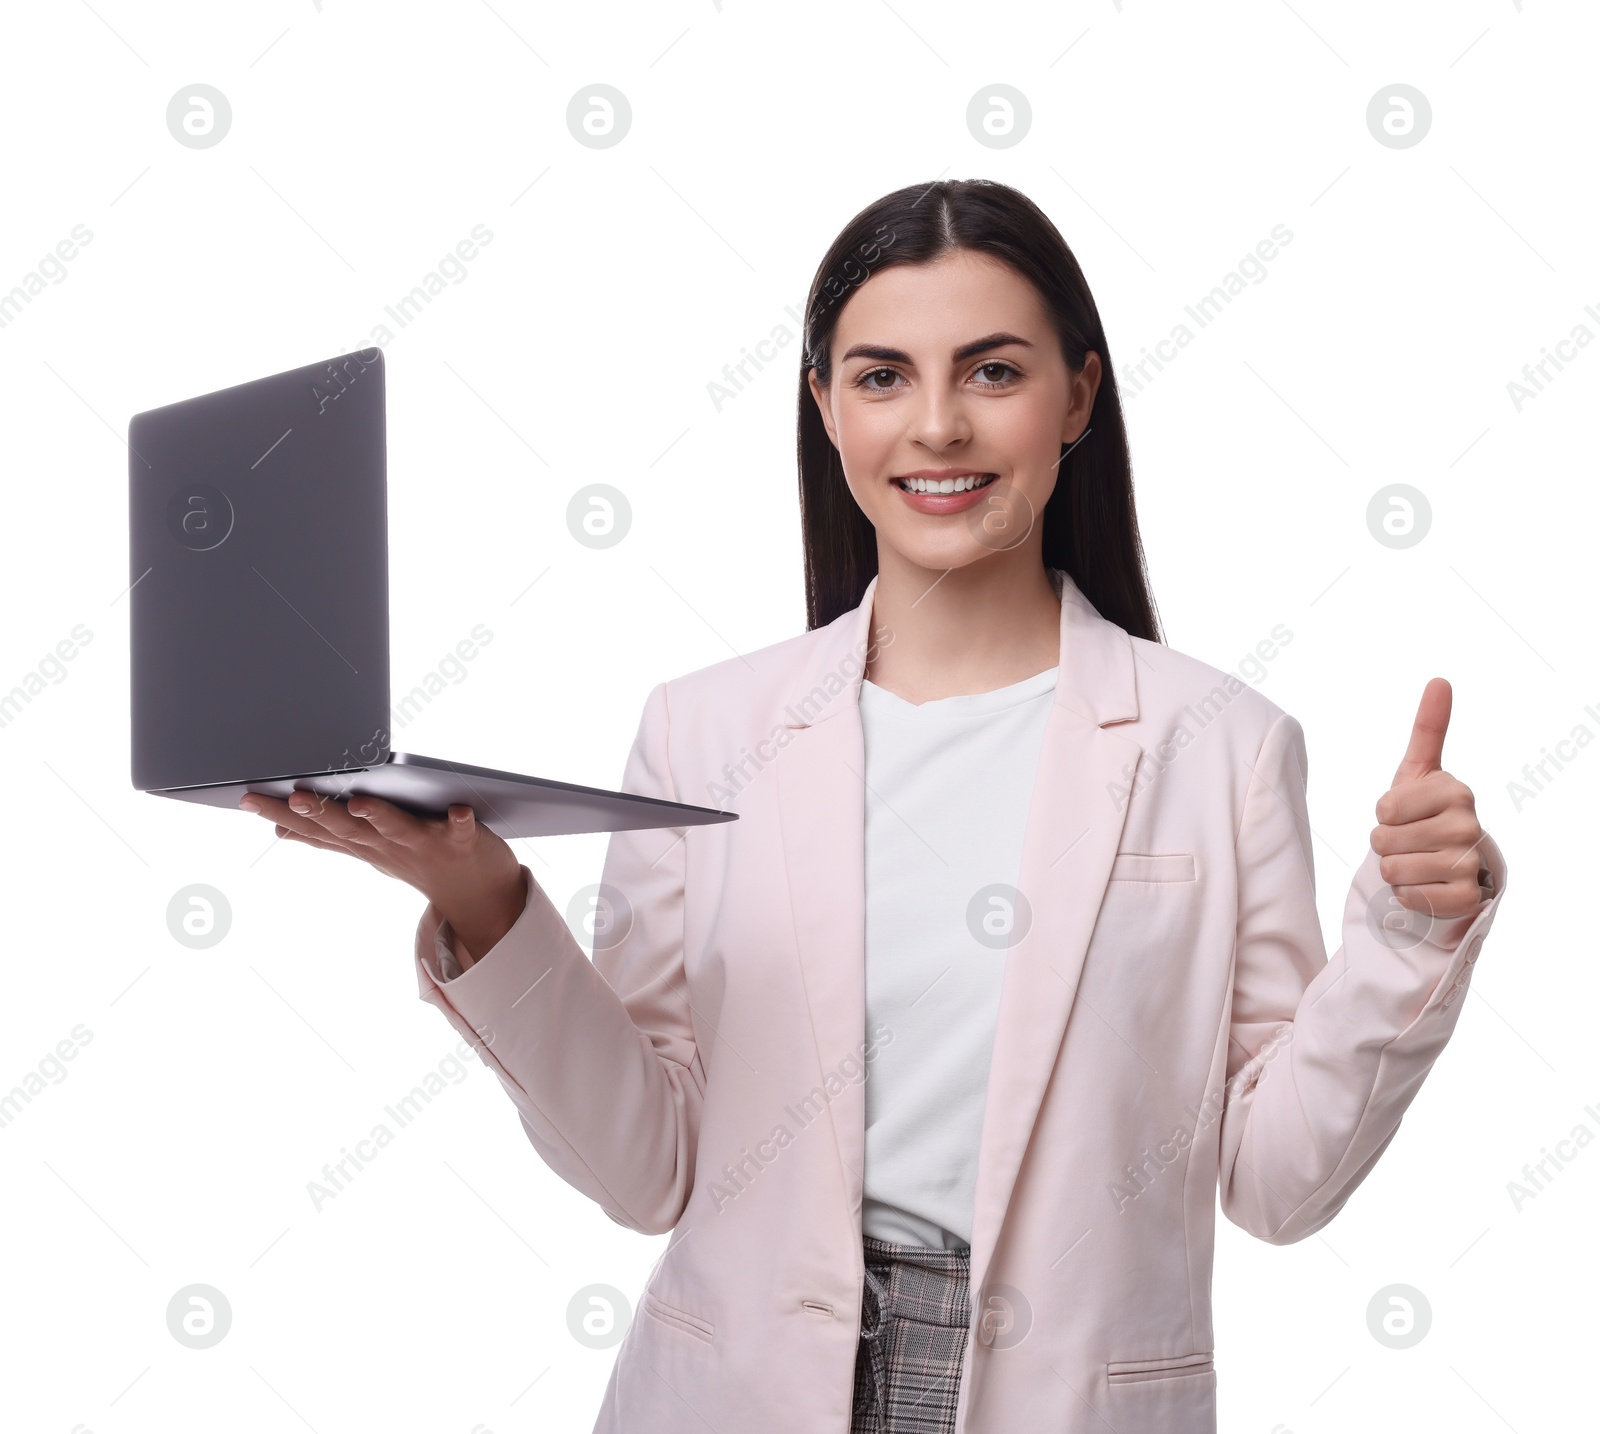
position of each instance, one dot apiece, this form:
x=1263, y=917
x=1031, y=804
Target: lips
x=943, y=493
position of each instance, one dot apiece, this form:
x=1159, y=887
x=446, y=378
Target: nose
x=937, y=419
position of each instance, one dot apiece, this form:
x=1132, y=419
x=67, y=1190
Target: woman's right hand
x=463, y=868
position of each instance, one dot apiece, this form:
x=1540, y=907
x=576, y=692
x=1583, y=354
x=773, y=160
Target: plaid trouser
x=914, y=1317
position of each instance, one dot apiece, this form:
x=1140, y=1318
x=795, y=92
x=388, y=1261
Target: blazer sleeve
x=1324, y=1057
x=598, y=1057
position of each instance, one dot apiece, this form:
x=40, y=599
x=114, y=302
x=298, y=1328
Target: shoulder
x=1177, y=690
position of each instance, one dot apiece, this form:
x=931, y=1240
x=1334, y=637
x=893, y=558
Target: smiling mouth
x=964, y=484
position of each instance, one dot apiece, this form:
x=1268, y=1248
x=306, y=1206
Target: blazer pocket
x=677, y=1318
x=1138, y=1371
x=1136, y=866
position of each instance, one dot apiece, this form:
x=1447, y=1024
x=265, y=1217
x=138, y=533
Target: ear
x=1085, y=384
x=823, y=406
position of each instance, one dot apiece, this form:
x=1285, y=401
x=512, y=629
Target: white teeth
x=946, y=485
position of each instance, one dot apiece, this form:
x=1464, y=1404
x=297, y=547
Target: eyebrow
x=966, y=351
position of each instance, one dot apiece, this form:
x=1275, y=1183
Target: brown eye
x=995, y=372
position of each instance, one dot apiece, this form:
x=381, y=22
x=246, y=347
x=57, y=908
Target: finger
x=329, y=814
x=1423, y=868
x=1451, y=830
x=274, y=809
x=1423, y=797
x=1471, y=859
x=387, y=820
x=1442, y=901
x=1425, y=752
x=462, y=823
x=285, y=816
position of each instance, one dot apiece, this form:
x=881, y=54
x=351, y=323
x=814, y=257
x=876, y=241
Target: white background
x=366, y=140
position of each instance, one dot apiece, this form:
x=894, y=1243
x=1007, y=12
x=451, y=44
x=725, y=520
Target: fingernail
x=249, y=804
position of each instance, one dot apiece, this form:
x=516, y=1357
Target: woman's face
x=949, y=402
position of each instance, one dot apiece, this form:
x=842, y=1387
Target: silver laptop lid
x=259, y=564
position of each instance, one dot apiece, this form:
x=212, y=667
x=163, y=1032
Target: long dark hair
x=1090, y=527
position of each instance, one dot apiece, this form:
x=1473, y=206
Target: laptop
x=259, y=572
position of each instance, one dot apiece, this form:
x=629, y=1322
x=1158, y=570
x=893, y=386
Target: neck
x=970, y=629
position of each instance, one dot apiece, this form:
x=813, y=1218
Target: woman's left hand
x=1427, y=834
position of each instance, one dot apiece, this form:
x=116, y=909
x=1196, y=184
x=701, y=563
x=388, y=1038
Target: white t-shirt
x=948, y=788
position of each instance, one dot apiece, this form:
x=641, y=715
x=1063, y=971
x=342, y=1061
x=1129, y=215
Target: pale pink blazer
x=1170, y=1026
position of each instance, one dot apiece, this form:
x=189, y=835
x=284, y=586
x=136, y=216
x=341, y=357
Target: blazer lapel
x=1075, y=824
x=821, y=799
x=1073, y=829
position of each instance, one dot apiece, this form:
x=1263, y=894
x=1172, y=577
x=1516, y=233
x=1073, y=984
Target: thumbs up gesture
x=1428, y=834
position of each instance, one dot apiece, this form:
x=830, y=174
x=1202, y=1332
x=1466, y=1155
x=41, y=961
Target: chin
x=936, y=552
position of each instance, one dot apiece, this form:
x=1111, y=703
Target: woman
x=931, y=1061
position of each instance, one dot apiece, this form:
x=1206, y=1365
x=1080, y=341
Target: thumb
x=1425, y=752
